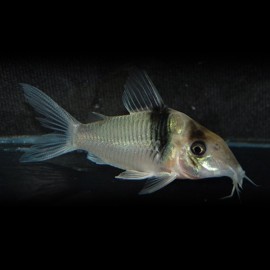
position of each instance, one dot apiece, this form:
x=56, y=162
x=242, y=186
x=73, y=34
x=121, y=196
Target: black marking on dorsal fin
x=141, y=95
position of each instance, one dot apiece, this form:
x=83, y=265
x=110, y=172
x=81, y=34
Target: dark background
x=228, y=92
x=188, y=229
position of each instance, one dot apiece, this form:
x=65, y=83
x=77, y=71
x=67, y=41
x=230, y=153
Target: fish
x=152, y=142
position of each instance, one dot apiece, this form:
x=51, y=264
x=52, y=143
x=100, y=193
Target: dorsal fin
x=140, y=94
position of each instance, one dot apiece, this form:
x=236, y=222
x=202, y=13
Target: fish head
x=203, y=154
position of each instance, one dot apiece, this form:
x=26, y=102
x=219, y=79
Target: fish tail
x=53, y=117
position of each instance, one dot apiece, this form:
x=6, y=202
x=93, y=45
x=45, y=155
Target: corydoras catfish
x=152, y=142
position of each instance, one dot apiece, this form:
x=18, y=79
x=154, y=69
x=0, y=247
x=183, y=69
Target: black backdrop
x=198, y=28
x=227, y=92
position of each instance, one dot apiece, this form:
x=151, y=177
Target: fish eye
x=198, y=148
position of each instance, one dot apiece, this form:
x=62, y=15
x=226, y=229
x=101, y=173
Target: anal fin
x=95, y=159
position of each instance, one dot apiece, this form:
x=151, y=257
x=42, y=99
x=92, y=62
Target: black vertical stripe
x=159, y=129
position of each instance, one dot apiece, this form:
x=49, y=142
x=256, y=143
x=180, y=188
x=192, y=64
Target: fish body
x=152, y=142
x=127, y=142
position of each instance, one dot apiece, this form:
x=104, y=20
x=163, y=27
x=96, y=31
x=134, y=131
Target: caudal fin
x=53, y=117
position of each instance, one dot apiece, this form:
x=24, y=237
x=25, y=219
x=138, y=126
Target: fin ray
x=95, y=159
x=134, y=175
x=157, y=182
x=53, y=117
x=141, y=94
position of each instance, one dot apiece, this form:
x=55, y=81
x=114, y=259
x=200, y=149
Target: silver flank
x=122, y=141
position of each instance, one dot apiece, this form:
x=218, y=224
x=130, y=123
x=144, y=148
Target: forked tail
x=53, y=117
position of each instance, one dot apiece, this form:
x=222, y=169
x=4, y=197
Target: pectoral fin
x=154, y=183
x=134, y=175
x=157, y=182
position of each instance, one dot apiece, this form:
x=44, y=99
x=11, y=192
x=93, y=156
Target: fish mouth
x=237, y=175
